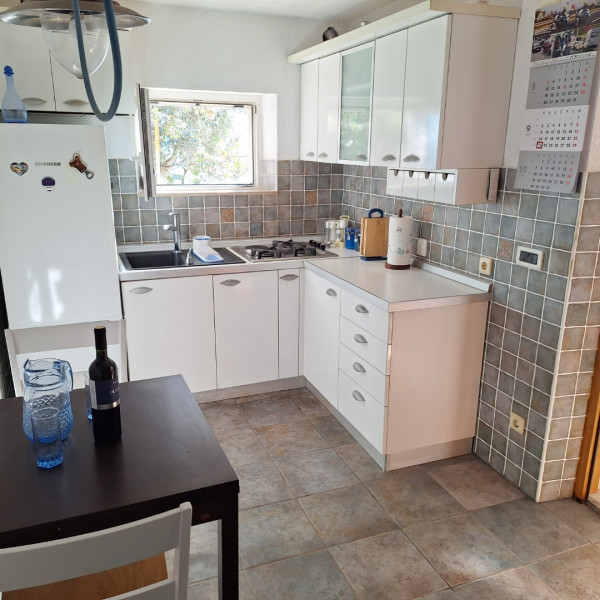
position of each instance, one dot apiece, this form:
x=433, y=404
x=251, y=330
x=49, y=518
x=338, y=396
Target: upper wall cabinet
x=328, y=108
x=355, y=104
x=309, y=109
x=46, y=86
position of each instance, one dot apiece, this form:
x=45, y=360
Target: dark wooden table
x=168, y=455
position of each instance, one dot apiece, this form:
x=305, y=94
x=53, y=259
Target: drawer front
x=366, y=315
x=365, y=344
x=364, y=374
x=362, y=411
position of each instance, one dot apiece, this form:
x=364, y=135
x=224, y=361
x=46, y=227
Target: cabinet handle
x=140, y=290
x=323, y=155
x=361, y=339
x=411, y=158
x=289, y=277
x=331, y=292
x=310, y=154
x=359, y=308
x=358, y=396
x=388, y=157
x=33, y=101
x=231, y=282
x=361, y=157
x=359, y=368
x=76, y=102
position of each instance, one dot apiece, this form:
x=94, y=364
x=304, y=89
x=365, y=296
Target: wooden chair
x=84, y=555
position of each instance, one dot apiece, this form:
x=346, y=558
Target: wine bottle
x=104, y=393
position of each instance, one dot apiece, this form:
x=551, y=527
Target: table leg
x=228, y=552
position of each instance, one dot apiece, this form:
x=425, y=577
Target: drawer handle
x=361, y=339
x=411, y=158
x=323, y=155
x=359, y=368
x=140, y=290
x=75, y=102
x=361, y=157
x=359, y=308
x=388, y=157
x=331, y=292
x=231, y=282
x=289, y=277
x=358, y=396
x=34, y=101
x=310, y=154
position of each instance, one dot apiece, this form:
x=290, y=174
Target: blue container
x=350, y=232
x=357, y=239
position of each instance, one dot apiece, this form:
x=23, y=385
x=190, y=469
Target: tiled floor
x=319, y=520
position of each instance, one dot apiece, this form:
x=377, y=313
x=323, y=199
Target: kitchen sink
x=165, y=259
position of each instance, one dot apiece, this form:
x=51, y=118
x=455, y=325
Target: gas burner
x=285, y=250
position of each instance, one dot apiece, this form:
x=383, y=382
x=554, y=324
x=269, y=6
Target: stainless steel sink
x=167, y=259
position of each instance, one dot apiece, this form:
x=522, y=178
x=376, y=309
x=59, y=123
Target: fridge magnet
x=19, y=168
x=78, y=164
x=48, y=183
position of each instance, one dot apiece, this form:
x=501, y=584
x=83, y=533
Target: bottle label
x=104, y=394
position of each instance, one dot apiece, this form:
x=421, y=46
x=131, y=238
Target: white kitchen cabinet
x=289, y=322
x=388, y=100
x=246, y=326
x=456, y=99
x=321, y=335
x=170, y=329
x=328, y=119
x=309, y=109
x=44, y=85
x=355, y=104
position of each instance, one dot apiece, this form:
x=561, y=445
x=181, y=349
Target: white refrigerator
x=58, y=256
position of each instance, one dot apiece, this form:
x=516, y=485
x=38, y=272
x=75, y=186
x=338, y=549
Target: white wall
x=223, y=51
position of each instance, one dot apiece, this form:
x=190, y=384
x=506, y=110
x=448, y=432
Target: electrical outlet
x=421, y=247
x=517, y=423
x=486, y=265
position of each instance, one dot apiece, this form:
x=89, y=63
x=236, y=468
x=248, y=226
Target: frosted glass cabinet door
x=355, y=104
x=388, y=100
x=424, y=93
x=329, y=113
x=309, y=109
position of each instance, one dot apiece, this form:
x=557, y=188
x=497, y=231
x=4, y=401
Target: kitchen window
x=198, y=142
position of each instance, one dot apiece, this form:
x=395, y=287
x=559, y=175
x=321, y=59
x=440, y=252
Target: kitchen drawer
x=363, y=313
x=364, y=374
x=362, y=411
x=365, y=344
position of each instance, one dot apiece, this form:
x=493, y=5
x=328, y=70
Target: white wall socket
x=486, y=265
x=421, y=247
x=517, y=423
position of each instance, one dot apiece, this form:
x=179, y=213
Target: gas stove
x=284, y=250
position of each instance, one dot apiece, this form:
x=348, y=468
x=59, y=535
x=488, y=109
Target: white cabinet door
x=170, y=329
x=70, y=92
x=355, y=104
x=309, y=109
x=424, y=93
x=388, y=100
x=246, y=325
x=329, y=108
x=289, y=320
x=24, y=49
x=321, y=334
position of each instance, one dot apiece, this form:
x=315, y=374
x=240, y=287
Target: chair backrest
x=58, y=560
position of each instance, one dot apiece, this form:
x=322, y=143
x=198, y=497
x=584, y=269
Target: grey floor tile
x=209, y=590
x=461, y=549
x=242, y=446
x=475, y=484
x=270, y=411
x=275, y=531
x=287, y=439
x=261, y=483
x=517, y=584
x=224, y=414
x=386, y=567
x=309, y=577
x=361, y=463
x=346, y=515
x=414, y=497
x=332, y=430
x=528, y=529
x=309, y=405
x=573, y=575
x=583, y=519
x=316, y=472
x=443, y=595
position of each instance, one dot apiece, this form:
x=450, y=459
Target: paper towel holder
x=399, y=246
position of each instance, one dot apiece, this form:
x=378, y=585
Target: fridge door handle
x=141, y=290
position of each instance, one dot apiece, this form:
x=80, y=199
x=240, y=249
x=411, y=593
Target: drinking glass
x=47, y=439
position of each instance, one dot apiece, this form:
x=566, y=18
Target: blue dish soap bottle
x=13, y=108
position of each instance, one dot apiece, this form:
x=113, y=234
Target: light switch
x=532, y=258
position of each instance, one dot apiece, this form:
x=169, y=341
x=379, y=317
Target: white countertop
x=421, y=286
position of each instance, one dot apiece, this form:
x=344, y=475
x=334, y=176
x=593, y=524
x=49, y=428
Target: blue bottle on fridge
x=13, y=108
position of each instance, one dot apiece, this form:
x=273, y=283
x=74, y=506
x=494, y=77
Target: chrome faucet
x=175, y=228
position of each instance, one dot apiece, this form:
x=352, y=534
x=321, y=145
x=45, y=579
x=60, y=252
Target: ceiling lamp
x=78, y=34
